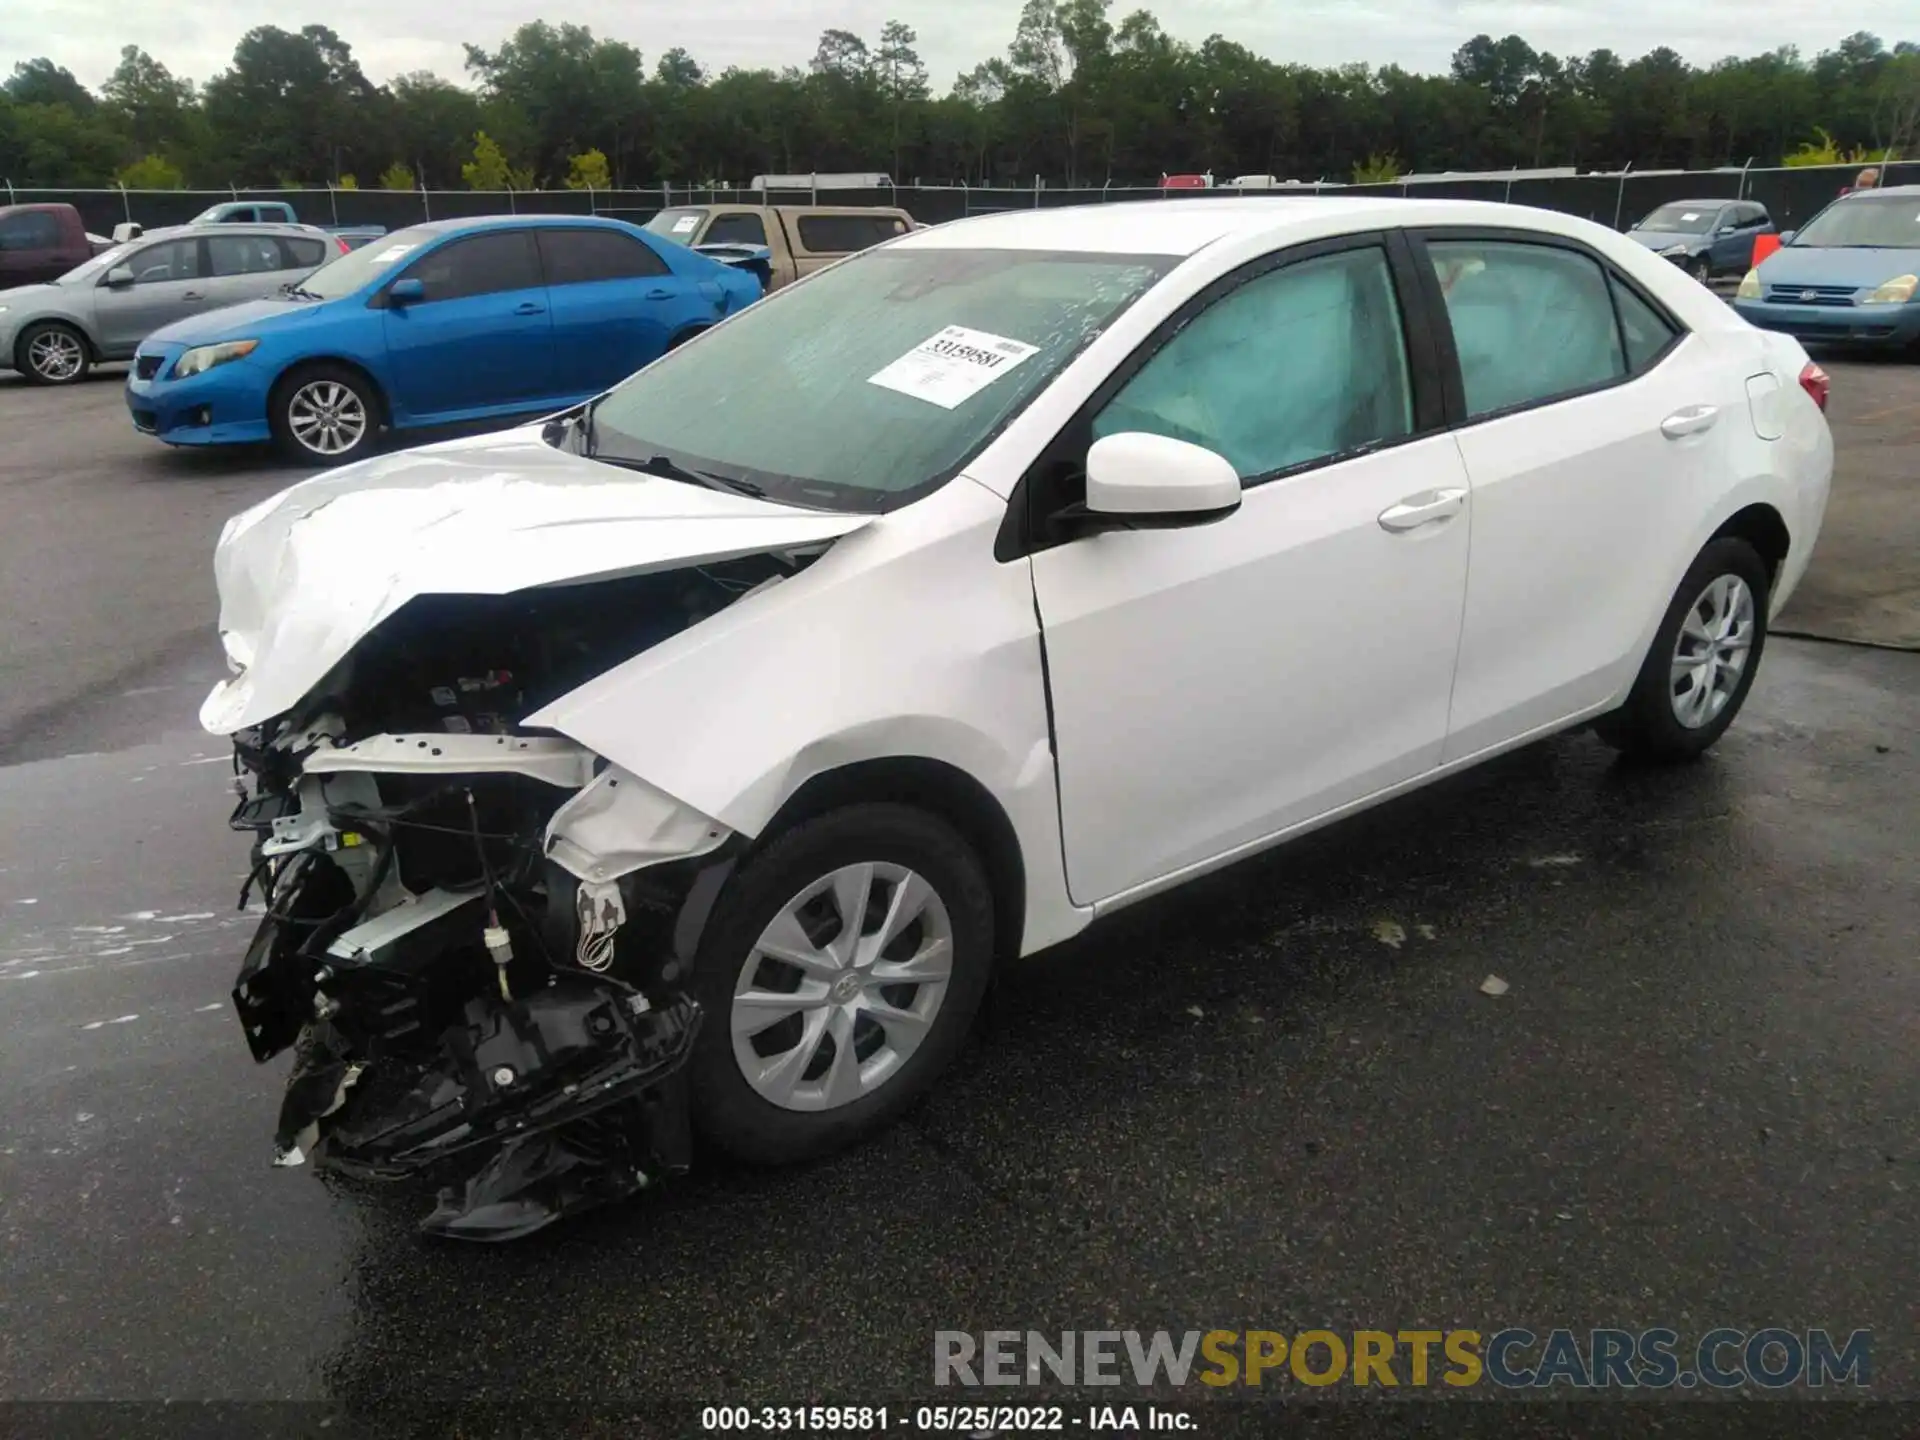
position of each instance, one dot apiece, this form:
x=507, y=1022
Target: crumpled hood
x=1666, y=239
x=304, y=576
x=1860, y=266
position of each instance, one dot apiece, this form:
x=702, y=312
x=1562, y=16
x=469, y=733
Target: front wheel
x=325, y=415
x=839, y=976
x=1697, y=674
x=1701, y=268
x=53, y=355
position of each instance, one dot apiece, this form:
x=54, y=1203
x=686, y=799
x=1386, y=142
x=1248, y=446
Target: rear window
x=842, y=234
x=304, y=253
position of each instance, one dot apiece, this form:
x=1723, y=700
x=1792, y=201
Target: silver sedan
x=101, y=310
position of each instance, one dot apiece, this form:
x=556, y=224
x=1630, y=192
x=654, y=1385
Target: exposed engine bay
x=478, y=972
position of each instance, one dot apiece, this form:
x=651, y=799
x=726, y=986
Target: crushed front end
x=475, y=934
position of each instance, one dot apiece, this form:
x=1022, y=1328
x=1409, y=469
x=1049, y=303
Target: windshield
x=1885, y=222
x=876, y=377
x=98, y=265
x=1681, y=219
x=678, y=226
x=358, y=268
x=208, y=215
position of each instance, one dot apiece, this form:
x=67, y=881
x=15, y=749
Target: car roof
x=1704, y=201
x=488, y=222
x=1182, y=227
x=1905, y=191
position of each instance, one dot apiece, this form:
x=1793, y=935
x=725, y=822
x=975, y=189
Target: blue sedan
x=444, y=323
x=1852, y=276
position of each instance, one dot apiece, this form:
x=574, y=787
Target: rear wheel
x=53, y=354
x=839, y=977
x=1697, y=674
x=325, y=415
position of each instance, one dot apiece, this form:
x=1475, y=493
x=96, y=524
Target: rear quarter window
x=843, y=234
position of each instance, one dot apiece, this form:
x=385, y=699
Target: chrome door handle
x=1423, y=509
x=1690, y=421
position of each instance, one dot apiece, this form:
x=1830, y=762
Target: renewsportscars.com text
x=1513, y=1358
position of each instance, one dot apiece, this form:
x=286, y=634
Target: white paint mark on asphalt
x=117, y=950
x=117, y=1020
x=99, y=929
x=26, y=975
x=208, y=760
x=1425, y=932
x=179, y=919
x=143, y=915
x=83, y=1117
x=28, y=900
x=1390, y=933
x=217, y=1005
x=1547, y=862
x=1494, y=985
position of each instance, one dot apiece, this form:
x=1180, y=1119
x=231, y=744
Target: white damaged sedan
x=686, y=762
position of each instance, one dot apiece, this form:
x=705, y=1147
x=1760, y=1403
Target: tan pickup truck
x=799, y=238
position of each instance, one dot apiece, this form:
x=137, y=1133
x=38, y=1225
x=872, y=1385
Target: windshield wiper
x=294, y=291
x=668, y=468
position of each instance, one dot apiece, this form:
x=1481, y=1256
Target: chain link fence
x=1792, y=196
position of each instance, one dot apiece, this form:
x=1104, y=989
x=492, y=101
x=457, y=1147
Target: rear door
x=169, y=283
x=480, y=340
x=615, y=306
x=244, y=266
x=1593, y=427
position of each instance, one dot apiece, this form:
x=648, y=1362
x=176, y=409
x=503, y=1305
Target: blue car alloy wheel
x=324, y=414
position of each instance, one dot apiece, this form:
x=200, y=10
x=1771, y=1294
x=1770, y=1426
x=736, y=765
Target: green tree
x=396, y=177
x=488, y=170
x=588, y=171
x=152, y=172
x=41, y=82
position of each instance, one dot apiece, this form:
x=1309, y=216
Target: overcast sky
x=196, y=38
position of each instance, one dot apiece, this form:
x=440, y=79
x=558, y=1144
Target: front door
x=1216, y=685
x=169, y=284
x=481, y=339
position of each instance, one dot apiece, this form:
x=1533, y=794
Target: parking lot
x=1277, y=1099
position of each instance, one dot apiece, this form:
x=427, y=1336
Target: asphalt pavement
x=1277, y=1099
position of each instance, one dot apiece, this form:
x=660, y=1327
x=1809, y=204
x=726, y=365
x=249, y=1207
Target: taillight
x=1816, y=383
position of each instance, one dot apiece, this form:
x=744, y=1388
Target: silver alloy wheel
x=326, y=417
x=1710, y=653
x=842, y=987
x=56, y=354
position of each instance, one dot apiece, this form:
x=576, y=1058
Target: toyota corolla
x=686, y=762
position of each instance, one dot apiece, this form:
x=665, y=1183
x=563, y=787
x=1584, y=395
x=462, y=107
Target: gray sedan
x=101, y=310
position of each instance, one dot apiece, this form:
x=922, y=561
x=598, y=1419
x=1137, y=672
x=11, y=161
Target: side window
x=30, y=230
x=175, y=260
x=843, y=234
x=479, y=265
x=736, y=230
x=303, y=254
x=578, y=257
x=1646, y=331
x=242, y=254
x=1295, y=365
x=1530, y=322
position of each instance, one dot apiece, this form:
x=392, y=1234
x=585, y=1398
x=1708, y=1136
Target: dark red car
x=39, y=243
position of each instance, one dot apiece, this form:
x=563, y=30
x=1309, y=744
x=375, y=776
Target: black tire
x=297, y=393
x=729, y=1112
x=1647, y=726
x=35, y=351
x=684, y=336
x=1701, y=268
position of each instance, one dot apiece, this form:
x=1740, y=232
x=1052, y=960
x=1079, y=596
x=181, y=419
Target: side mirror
x=119, y=277
x=1786, y=236
x=407, y=292
x=1137, y=481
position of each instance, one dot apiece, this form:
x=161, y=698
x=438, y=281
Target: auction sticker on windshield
x=683, y=223
x=392, y=253
x=952, y=366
